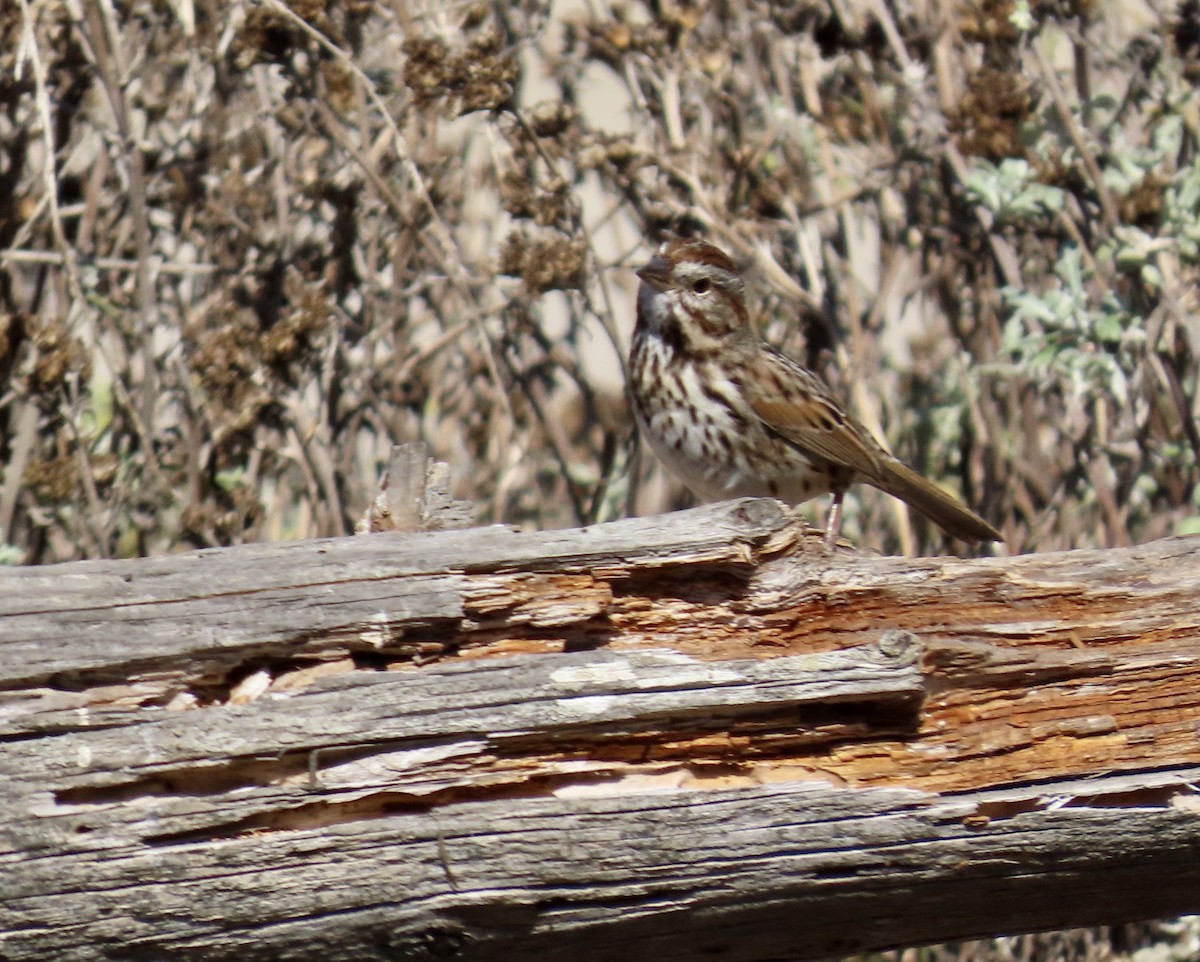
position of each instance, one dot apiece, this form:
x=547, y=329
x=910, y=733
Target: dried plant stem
x=105, y=263
x=29, y=51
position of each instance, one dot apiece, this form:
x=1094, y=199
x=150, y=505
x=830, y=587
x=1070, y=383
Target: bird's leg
x=834, y=522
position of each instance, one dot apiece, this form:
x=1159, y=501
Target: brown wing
x=795, y=404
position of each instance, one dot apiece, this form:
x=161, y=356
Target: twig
x=320, y=469
x=28, y=50
x=1108, y=207
x=21, y=447
x=114, y=84
x=104, y=263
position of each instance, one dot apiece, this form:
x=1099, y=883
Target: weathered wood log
x=414, y=495
x=680, y=737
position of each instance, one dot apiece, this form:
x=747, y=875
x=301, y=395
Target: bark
x=691, y=736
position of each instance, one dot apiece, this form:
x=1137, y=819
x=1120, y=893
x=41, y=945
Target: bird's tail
x=943, y=510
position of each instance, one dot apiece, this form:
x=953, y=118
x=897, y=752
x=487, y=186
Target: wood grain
x=679, y=733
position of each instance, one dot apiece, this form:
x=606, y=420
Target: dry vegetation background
x=245, y=245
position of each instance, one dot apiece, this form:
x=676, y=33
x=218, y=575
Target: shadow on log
x=683, y=737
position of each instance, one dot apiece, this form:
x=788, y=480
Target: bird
x=731, y=416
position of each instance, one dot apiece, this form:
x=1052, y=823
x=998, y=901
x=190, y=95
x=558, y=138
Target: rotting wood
x=414, y=495
x=679, y=733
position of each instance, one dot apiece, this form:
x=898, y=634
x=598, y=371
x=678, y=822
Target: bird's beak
x=657, y=273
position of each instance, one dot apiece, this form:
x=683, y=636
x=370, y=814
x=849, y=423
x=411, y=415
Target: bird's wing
x=795, y=404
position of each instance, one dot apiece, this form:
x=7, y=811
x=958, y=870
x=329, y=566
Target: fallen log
x=691, y=736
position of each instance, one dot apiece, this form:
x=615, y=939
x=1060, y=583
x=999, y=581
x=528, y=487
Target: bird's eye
x=702, y=286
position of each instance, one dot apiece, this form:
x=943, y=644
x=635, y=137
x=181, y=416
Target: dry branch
x=688, y=736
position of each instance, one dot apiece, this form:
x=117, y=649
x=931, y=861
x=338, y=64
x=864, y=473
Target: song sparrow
x=730, y=416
